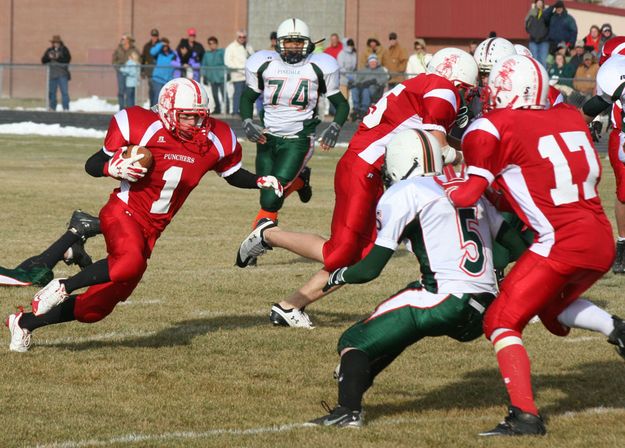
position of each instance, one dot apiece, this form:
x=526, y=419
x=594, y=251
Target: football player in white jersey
x=454, y=250
x=291, y=81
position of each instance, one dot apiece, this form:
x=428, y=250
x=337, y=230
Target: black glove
x=335, y=279
x=252, y=131
x=331, y=135
x=595, y=130
x=462, y=119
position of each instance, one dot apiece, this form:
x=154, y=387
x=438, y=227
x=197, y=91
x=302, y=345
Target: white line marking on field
x=141, y=302
x=136, y=438
x=581, y=339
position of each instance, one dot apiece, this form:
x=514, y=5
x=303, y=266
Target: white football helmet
x=523, y=50
x=456, y=65
x=611, y=79
x=518, y=82
x=184, y=96
x=411, y=153
x=491, y=51
x=294, y=30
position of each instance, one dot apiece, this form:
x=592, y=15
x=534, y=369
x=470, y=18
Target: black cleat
x=617, y=337
x=84, y=225
x=619, y=261
x=80, y=257
x=518, y=423
x=305, y=193
x=341, y=417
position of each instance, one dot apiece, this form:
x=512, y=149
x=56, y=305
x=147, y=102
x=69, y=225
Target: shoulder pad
x=257, y=59
x=325, y=62
x=610, y=76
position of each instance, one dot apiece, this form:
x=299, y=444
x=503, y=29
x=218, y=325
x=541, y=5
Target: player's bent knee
x=344, y=254
x=90, y=314
x=127, y=269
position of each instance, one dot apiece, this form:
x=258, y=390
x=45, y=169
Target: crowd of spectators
x=552, y=33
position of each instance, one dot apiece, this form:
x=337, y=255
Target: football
x=146, y=161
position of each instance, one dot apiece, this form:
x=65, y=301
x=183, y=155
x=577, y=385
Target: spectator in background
x=131, y=70
x=560, y=49
x=214, y=74
x=592, y=41
x=394, y=59
x=562, y=26
x=560, y=72
x=273, y=41
x=163, y=72
x=335, y=46
x=196, y=49
x=538, y=31
x=235, y=56
x=577, y=56
x=419, y=60
x=148, y=61
x=472, y=47
x=373, y=47
x=348, y=62
x=368, y=86
x=186, y=64
x=586, y=75
x=121, y=55
x=57, y=57
x=606, y=34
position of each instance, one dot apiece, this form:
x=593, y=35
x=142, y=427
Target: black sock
x=353, y=379
x=94, y=274
x=53, y=254
x=61, y=313
x=381, y=363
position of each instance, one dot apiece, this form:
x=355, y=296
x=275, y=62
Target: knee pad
x=127, y=268
x=87, y=314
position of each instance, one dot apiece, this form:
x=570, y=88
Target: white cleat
x=289, y=318
x=20, y=337
x=51, y=295
x=254, y=245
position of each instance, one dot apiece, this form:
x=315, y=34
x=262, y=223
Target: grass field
x=190, y=360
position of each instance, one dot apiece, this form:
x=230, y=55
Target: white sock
x=620, y=238
x=68, y=255
x=585, y=314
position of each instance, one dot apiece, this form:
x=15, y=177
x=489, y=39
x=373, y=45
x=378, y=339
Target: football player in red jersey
x=614, y=48
x=185, y=143
x=544, y=163
x=429, y=101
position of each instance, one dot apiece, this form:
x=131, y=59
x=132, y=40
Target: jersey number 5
x=376, y=111
x=566, y=191
x=471, y=242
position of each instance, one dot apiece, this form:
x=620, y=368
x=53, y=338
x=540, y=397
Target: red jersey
x=554, y=96
x=548, y=169
x=427, y=101
x=616, y=115
x=177, y=167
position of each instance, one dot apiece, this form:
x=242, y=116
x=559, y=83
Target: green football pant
x=412, y=314
x=283, y=158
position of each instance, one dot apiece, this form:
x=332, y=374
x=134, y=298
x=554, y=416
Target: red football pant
x=614, y=144
x=537, y=285
x=357, y=189
x=129, y=245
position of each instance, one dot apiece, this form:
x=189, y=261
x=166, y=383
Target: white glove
x=450, y=155
x=125, y=169
x=270, y=183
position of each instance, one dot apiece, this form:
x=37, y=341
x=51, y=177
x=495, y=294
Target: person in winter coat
x=214, y=74
x=419, y=60
x=57, y=57
x=368, y=86
x=122, y=54
x=348, y=62
x=562, y=26
x=538, y=31
x=164, y=71
x=187, y=66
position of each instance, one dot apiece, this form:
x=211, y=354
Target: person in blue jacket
x=164, y=70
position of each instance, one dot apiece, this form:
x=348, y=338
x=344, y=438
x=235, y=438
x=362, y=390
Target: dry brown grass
x=191, y=360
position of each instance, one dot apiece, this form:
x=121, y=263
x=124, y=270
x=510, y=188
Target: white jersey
x=290, y=91
x=610, y=78
x=454, y=246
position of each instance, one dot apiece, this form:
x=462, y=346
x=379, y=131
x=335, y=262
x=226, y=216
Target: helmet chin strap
x=414, y=166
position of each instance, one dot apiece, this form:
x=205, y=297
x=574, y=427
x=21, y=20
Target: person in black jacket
x=58, y=58
x=196, y=49
x=538, y=31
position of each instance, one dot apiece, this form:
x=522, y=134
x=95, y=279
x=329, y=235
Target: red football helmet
x=616, y=45
x=183, y=96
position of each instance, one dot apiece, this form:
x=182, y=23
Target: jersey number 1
x=172, y=178
x=566, y=191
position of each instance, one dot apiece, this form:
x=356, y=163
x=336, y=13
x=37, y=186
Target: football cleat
x=619, y=261
x=289, y=318
x=518, y=423
x=20, y=337
x=254, y=245
x=617, y=337
x=305, y=193
x=78, y=255
x=341, y=417
x=84, y=225
x=51, y=295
